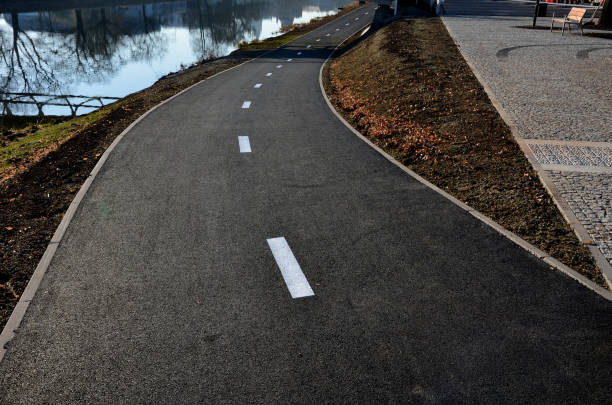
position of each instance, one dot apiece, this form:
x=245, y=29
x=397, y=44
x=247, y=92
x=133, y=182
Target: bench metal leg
x=563, y=29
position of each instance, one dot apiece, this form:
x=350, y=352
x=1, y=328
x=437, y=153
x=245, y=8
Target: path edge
x=14, y=321
x=546, y=258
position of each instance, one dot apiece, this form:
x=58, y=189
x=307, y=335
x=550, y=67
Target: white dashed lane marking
x=246, y=104
x=327, y=35
x=245, y=145
x=258, y=85
x=279, y=66
x=308, y=46
x=318, y=39
x=289, y=60
x=268, y=74
x=299, y=53
x=290, y=269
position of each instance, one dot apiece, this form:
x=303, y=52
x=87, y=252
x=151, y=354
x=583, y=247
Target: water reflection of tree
x=213, y=28
x=103, y=46
x=46, y=62
x=24, y=62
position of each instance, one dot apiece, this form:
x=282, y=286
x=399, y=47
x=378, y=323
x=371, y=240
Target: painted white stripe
x=337, y=29
x=245, y=145
x=347, y=24
x=308, y=46
x=289, y=60
x=246, y=104
x=299, y=53
x=366, y=13
x=318, y=39
x=258, y=85
x=327, y=35
x=290, y=269
x=356, y=18
x=268, y=74
x=279, y=66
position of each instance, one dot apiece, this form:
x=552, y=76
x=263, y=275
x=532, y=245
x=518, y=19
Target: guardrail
x=73, y=102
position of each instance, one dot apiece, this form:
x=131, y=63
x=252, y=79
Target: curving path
x=166, y=287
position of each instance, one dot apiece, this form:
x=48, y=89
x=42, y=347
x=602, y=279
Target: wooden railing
x=40, y=100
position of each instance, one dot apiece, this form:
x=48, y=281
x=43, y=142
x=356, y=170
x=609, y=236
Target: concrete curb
x=511, y=236
x=566, y=212
x=14, y=321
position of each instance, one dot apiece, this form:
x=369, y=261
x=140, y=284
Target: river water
x=117, y=47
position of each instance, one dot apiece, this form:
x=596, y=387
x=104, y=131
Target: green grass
x=47, y=134
x=270, y=43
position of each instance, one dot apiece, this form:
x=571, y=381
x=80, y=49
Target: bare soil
x=408, y=89
x=35, y=197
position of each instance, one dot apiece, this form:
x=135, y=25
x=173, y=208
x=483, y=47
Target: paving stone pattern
x=551, y=154
x=589, y=195
x=550, y=88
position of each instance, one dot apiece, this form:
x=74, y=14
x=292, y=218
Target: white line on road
x=290, y=269
x=337, y=29
x=347, y=24
x=327, y=35
x=356, y=18
x=268, y=74
x=318, y=39
x=366, y=13
x=299, y=53
x=258, y=85
x=246, y=104
x=308, y=46
x=245, y=145
x=279, y=66
x=289, y=60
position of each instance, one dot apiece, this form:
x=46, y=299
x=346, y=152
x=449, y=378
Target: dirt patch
x=409, y=90
x=38, y=189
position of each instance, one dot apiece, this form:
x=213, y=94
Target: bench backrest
x=576, y=14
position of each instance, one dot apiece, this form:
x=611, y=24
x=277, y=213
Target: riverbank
x=53, y=157
x=408, y=89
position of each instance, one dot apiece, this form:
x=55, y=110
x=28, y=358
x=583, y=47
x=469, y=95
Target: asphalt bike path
x=309, y=269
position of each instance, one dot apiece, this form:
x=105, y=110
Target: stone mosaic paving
x=572, y=155
x=589, y=195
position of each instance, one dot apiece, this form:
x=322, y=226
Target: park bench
x=575, y=16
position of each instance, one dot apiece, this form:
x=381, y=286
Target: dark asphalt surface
x=164, y=289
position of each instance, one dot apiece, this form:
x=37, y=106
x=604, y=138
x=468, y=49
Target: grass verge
x=408, y=89
x=43, y=163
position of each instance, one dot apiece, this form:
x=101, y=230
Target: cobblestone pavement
x=550, y=88
x=590, y=197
